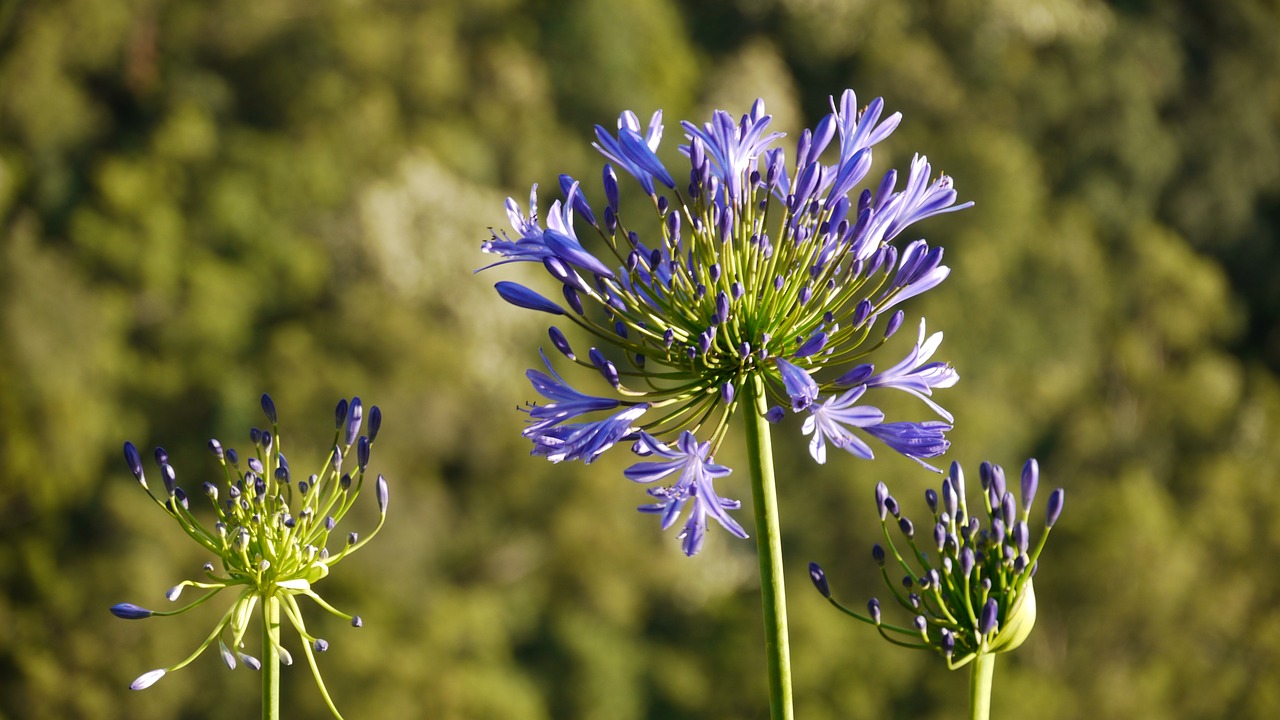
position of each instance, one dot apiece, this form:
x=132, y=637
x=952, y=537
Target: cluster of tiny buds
x=970, y=591
x=269, y=534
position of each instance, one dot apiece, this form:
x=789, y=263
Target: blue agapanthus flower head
x=765, y=272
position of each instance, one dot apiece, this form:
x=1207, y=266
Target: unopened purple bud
x=610, y=373
x=891, y=504
x=1030, y=479
x=1056, y=499
x=255, y=436
x=162, y=456
x=940, y=536
x=913, y=600
x=931, y=499
x=907, y=581
x=873, y=609
x=861, y=312
x=211, y=490
x=362, y=452
x=355, y=414
x=329, y=523
x=814, y=344
x=895, y=322
x=375, y=422
x=357, y=622
x=320, y=645
x=170, y=478
x=668, y=337
x=228, y=657
x=129, y=611
x=352, y=537
x=806, y=294
x=340, y=414
x=610, y=180
x=727, y=392
x=877, y=554
x=215, y=447
x=775, y=414
x=949, y=499
x=967, y=561
x=997, y=481
x=232, y=457
x=383, y=494
x=1021, y=536
x=987, y=624
x=255, y=465
x=560, y=342
x=921, y=624
x=1008, y=509
x=907, y=528
x=882, y=498
x=663, y=204
x=269, y=408
x=1020, y=564
x=250, y=661
x=933, y=578
x=523, y=297
x=134, y=461
x=737, y=290
x=948, y=642
x=819, y=579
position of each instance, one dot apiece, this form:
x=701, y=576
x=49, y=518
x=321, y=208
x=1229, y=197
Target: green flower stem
x=769, y=548
x=271, y=659
x=980, y=674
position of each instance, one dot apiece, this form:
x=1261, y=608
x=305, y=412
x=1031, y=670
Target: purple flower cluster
x=761, y=271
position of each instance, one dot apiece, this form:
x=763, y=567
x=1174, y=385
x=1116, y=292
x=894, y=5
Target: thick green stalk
x=769, y=549
x=981, y=670
x=270, y=659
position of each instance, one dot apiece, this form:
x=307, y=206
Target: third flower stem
x=270, y=659
x=769, y=548
x=980, y=674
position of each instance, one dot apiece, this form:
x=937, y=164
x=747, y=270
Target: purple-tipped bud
x=814, y=344
x=610, y=373
x=950, y=502
x=170, y=478
x=255, y=465
x=250, y=661
x=948, y=642
x=1030, y=479
x=255, y=436
x=1008, y=509
x=375, y=422
x=907, y=528
x=282, y=474
x=895, y=322
x=172, y=593
x=521, y=296
x=381, y=490
x=940, y=536
x=228, y=657
x=362, y=452
x=561, y=343
x=357, y=622
x=997, y=530
x=1056, y=498
x=340, y=414
x=1021, y=536
x=320, y=645
x=997, y=480
x=162, y=456
x=891, y=504
x=355, y=413
x=921, y=624
x=610, y=179
x=147, y=679
x=932, y=578
x=907, y=581
x=819, y=579
x=931, y=499
x=129, y=611
x=134, y=461
x=269, y=408
x=727, y=392
x=232, y=457
x=967, y=561
x=215, y=447
x=873, y=609
x=882, y=498
x=877, y=553
x=211, y=490
x=988, y=622
x=956, y=475
x=352, y=537
x=775, y=414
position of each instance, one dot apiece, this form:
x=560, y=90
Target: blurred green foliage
x=200, y=202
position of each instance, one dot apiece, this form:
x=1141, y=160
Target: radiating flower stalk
x=763, y=282
x=270, y=536
x=973, y=598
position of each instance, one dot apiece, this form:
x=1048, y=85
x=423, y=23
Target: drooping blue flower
x=695, y=483
x=764, y=270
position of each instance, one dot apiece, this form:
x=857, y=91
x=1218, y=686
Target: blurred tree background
x=200, y=202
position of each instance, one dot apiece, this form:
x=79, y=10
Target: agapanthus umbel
x=270, y=533
x=967, y=584
x=764, y=273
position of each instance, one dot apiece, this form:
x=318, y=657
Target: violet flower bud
x=1056, y=498
x=1030, y=479
x=819, y=579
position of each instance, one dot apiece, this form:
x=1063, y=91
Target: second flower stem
x=769, y=549
x=981, y=671
x=270, y=659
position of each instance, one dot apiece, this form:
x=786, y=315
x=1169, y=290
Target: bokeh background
x=203, y=201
